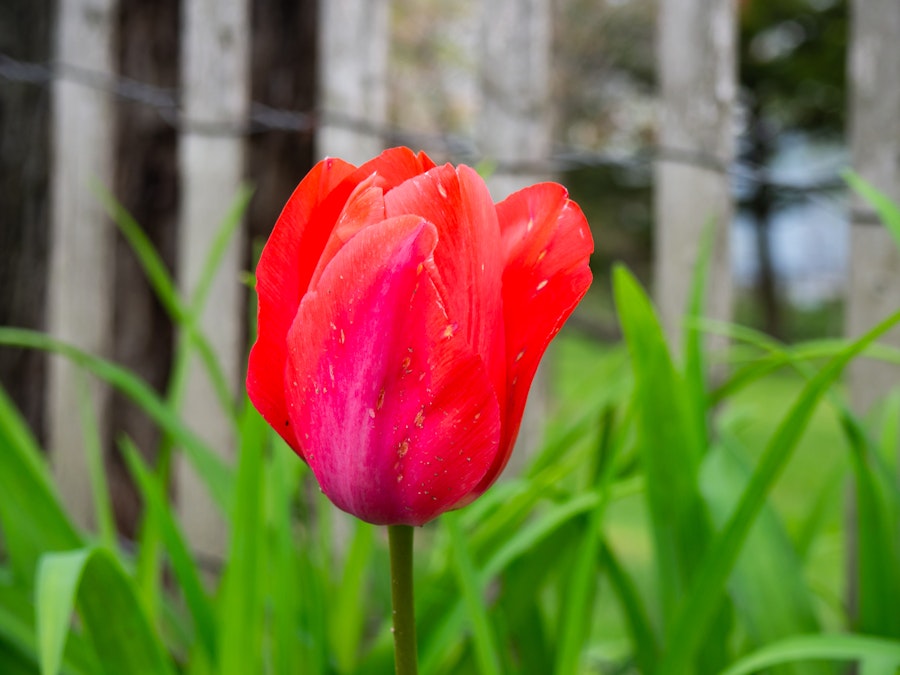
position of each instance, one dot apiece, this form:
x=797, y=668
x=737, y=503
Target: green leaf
x=241, y=612
x=669, y=441
x=92, y=580
x=887, y=210
x=487, y=649
x=184, y=567
x=767, y=584
x=212, y=470
x=579, y=590
x=31, y=517
x=347, y=615
x=697, y=611
x=832, y=647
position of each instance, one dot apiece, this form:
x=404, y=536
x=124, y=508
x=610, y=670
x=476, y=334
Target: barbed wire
x=262, y=118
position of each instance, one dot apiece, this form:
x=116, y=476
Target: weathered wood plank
x=353, y=58
x=214, y=80
x=874, y=287
x=696, y=66
x=515, y=130
x=82, y=240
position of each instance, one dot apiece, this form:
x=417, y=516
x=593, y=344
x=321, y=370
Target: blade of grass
x=32, y=518
x=347, y=615
x=486, y=648
x=767, y=583
x=696, y=612
x=578, y=598
x=290, y=654
x=109, y=609
x=643, y=635
x=670, y=453
x=887, y=210
x=212, y=469
x=103, y=512
x=833, y=647
x=241, y=615
x=184, y=566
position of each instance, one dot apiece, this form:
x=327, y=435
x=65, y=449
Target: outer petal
x=547, y=245
x=395, y=412
x=394, y=166
x=468, y=255
x=282, y=277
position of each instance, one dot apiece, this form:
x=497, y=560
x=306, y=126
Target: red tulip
x=402, y=315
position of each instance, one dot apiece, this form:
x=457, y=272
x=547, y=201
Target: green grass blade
x=32, y=518
x=241, y=612
x=670, y=452
x=184, y=567
x=887, y=210
x=166, y=290
x=697, y=611
x=579, y=593
x=831, y=647
x=212, y=469
x=487, y=649
x=109, y=609
x=347, y=614
x=878, y=558
x=289, y=655
x=96, y=464
x=694, y=362
x=643, y=635
x=767, y=584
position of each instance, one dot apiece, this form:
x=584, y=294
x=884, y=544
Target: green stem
x=401, y=540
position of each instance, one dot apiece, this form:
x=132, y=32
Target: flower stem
x=401, y=540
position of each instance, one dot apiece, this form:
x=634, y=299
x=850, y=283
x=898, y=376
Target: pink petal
x=547, y=244
x=395, y=412
x=282, y=276
x=468, y=256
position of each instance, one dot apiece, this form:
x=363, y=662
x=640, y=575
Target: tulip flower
x=402, y=316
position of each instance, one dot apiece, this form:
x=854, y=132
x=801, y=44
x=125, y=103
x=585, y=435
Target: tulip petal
x=547, y=245
x=395, y=412
x=469, y=256
x=394, y=166
x=282, y=277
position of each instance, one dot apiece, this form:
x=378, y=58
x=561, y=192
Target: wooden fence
x=696, y=70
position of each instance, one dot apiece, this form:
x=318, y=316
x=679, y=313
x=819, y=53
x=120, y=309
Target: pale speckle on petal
x=520, y=355
x=372, y=413
x=542, y=255
x=442, y=190
x=402, y=448
x=420, y=418
x=542, y=285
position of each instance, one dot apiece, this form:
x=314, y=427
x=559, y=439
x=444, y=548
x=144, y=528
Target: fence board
x=874, y=287
x=82, y=240
x=515, y=130
x=353, y=57
x=696, y=67
x=215, y=74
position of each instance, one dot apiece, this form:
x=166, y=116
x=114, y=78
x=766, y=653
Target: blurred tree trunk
x=146, y=183
x=696, y=57
x=761, y=207
x=25, y=30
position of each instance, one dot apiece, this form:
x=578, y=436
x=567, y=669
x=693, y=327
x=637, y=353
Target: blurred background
x=647, y=111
